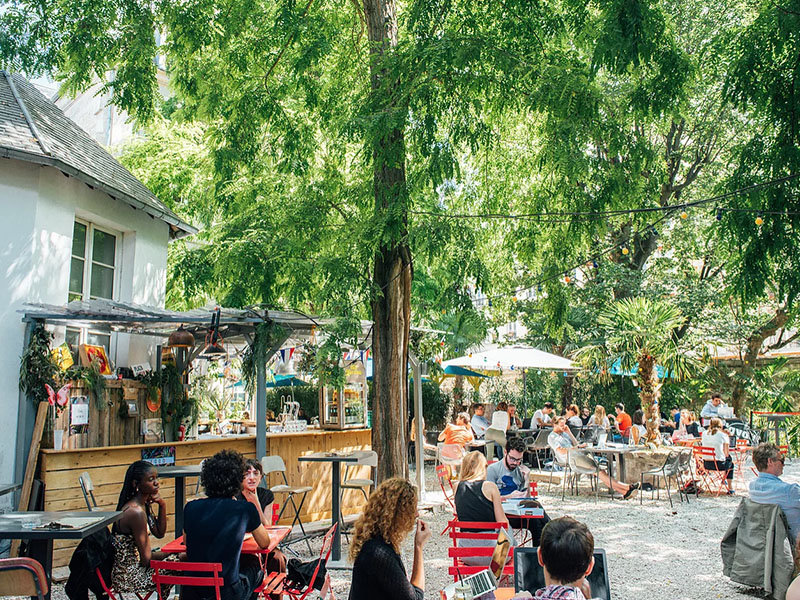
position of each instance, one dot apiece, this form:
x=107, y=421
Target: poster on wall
x=151, y=430
x=89, y=353
x=79, y=411
x=161, y=456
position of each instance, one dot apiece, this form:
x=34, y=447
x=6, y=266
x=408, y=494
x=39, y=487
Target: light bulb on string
x=759, y=220
x=625, y=251
x=684, y=215
x=566, y=279
x=719, y=214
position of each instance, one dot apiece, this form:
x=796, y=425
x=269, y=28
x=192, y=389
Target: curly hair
x=222, y=474
x=390, y=515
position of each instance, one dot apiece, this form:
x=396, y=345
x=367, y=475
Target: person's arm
x=136, y=520
x=420, y=539
x=635, y=435
x=491, y=490
x=726, y=447
x=252, y=498
x=441, y=434
x=160, y=528
x=261, y=537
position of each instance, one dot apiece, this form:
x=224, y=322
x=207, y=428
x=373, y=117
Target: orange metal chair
x=713, y=481
x=22, y=577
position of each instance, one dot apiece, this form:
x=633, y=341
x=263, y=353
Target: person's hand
x=250, y=495
x=422, y=534
x=522, y=595
x=157, y=499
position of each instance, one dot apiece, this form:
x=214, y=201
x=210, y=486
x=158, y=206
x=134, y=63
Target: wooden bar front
x=60, y=469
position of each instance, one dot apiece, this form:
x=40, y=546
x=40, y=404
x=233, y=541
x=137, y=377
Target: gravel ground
x=654, y=552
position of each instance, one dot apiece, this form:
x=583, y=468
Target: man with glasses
x=769, y=488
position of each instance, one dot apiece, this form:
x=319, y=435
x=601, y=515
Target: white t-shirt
x=539, y=414
x=716, y=441
x=499, y=420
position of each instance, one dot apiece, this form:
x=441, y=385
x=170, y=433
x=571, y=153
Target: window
x=93, y=264
x=75, y=337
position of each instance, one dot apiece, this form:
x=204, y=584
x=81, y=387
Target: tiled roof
x=34, y=129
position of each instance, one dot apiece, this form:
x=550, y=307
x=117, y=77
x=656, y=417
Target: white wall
x=39, y=205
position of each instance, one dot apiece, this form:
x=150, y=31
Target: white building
x=76, y=225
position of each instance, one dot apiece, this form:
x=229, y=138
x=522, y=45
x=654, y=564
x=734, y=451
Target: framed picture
x=89, y=353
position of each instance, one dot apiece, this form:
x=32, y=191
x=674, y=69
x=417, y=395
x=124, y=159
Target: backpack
x=299, y=573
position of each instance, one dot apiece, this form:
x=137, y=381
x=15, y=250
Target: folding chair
x=297, y=593
x=22, y=577
x=709, y=477
x=540, y=444
x=443, y=474
x=473, y=530
x=275, y=464
x=87, y=487
x=685, y=468
x=111, y=593
x=450, y=455
x=168, y=573
x=364, y=458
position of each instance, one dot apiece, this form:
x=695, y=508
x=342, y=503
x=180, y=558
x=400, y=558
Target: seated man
x=769, y=488
x=566, y=553
x=711, y=408
x=562, y=441
x=214, y=528
x=458, y=433
x=479, y=423
x=542, y=418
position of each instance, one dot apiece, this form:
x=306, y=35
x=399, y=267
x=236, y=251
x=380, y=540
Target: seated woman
x=130, y=535
x=638, y=430
x=214, y=528
x=458, y=433
x=378, y=570
x=715, y=438
x=599, y=418
x=479, y=500
x=574, y=416
x=263, y=499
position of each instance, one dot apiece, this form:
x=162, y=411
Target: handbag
x=299, y=573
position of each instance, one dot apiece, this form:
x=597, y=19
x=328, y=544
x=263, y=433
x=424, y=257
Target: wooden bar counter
x=60, y=469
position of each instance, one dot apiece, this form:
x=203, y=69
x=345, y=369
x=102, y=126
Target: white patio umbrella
x=518, y=357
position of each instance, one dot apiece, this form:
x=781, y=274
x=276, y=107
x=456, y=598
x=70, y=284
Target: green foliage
x=94, y=381
x=306, y=395
x=36, y=366
x=437, y=406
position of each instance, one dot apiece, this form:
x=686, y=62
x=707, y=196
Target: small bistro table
x=336, y=461
x=24, y=526
x=180, y=473
x=277, y=534
x=616, y=455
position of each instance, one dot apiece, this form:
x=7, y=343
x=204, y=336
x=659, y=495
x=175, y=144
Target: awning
x=513, y=357
x=286, y=381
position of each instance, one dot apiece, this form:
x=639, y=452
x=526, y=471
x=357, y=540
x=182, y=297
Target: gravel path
x=654, y=552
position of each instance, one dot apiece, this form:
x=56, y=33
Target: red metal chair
x=444, y=475
x=324, y=553
x=168, y=573
x=713, y=481
x=459, y=553
x=110, y=592
x=22, y=577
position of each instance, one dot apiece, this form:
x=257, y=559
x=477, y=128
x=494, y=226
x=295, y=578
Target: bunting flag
x=283, y=355
x=291, y=353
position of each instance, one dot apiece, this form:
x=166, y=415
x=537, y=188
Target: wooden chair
x=22, y=577
x=296, y=593
x=464, y=530
x=168, y=573
x=713, y=481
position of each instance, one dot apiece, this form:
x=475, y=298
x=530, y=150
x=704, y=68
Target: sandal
x=633, y=488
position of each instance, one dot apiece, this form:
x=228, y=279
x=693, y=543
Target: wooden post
x=30, y=467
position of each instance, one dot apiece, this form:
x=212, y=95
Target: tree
x=639, y=333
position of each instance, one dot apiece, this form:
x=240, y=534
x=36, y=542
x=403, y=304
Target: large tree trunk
x=649, y=395
x=391, y=304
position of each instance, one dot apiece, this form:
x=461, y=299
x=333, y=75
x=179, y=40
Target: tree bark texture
x=391, y=303
x=649, y=396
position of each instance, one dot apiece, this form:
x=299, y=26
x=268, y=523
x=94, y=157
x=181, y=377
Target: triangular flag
x=283, y=355
x=291, y=353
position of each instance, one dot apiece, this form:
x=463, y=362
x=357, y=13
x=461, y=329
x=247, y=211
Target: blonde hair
x=463, y=417
x=574, y=409
x=390, y=514
x=473, y=467
x=599, y=415
x=716, y=425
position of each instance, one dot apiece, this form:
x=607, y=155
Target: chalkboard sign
x=161, y=456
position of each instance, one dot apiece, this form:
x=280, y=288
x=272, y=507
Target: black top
x=471, y=504
x=265, y=498
x=693, y=429
x=214, y=529
x=379, y=573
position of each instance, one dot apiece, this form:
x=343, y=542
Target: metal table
x=336, y=461
x=617, y=455
x=22, y=526
x=7, y=488
x=180, y=473
x=276, y=534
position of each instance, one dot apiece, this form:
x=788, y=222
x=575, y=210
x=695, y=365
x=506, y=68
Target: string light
x=625, y=251
x=759, y=220
x=684, y=214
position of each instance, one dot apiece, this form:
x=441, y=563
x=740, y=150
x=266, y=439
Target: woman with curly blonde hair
x=378, y=571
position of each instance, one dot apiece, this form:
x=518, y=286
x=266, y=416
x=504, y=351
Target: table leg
x=180, y=496
x=622, y=474
x=42, y=550
x=336, y=551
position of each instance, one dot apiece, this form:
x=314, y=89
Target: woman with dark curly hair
x=378, y=571
x=214, y=528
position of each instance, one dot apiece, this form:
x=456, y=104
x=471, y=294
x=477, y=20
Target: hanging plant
x=37, y=367
x=176, y=406
x=328, y=367
x=268, y=336
x=94, y=381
